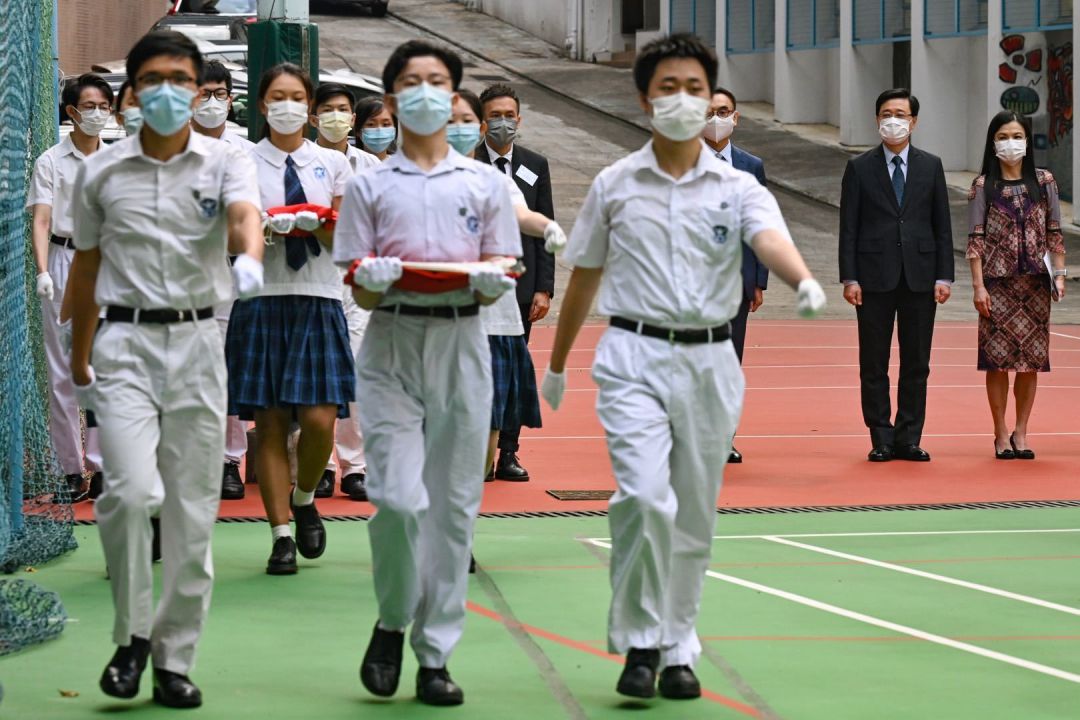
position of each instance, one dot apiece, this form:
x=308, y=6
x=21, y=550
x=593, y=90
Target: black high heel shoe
x=1028, y=454
x=1006, y=454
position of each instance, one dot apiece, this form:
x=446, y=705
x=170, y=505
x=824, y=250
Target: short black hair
x=280, y=69
x=679, y=45
x=124, y=87
x=332, y=89
x=73, y=91
x=724, y=91
x=420, y=48
x=496, y=91
x=474, y=102
x=897, y=94
x=365, y=109
x=215, y=72
x=163, y=42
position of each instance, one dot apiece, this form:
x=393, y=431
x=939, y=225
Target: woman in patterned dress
x=1014, y=221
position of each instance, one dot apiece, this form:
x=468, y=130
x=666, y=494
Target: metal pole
x=56, y=69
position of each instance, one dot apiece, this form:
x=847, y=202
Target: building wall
x=546, y=20
x=102, y=30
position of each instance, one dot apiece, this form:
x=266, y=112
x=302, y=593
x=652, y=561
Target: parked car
x=227, y=51
x=209, y=20
x=362, y=86
x=244, y=8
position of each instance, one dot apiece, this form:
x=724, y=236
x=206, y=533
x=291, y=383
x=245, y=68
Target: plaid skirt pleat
x=287, y=351
x=516, y=402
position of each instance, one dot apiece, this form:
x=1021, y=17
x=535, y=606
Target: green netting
x=33, y=529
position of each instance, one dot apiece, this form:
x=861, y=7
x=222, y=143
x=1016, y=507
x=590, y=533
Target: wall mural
x=1059, y=92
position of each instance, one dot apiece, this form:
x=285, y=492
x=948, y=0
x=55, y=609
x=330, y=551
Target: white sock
x=299, y=497
x=280, y=531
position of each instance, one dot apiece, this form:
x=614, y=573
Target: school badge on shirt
x=471, y=221
x=320, y=172
x=208, y=207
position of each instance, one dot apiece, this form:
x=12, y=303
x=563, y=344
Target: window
x=881, y=21
x=695, y=16
x=1029, y=15
x=751, y=26
x=812, y=24
x=950, y=18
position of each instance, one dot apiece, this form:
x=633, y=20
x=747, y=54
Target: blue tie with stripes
x=898, y=180
x=297, y=248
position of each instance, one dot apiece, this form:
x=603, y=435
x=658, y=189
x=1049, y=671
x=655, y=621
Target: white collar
x=399, y=162
x=493, y=156
x=276, y=157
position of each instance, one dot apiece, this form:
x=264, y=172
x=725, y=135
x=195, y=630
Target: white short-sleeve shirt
x=360, y=160
x=237, y=140
x=161, y=227
x=323, y=173
x=503, y=317
x=671, y=249
x=54, y=182
x=456, y=212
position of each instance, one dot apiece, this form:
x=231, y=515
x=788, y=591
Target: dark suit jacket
x=879, y=238
x=539, y=264
x=754, y=273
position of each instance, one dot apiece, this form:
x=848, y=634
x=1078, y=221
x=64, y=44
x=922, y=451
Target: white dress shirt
x=360, y=160
x=495, y=156
x=161, y=226
x=53, y=183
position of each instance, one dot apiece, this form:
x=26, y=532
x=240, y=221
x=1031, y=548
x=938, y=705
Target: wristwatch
x=1062, y=272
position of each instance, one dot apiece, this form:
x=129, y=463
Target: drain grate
x=581, y=494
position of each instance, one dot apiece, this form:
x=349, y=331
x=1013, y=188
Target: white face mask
x=334, y=125
x=679, y=117
x=718, y=129
x=286, y=116
x=1010, y=151
x=894, y=130
x=92, y=122
x=211, y=113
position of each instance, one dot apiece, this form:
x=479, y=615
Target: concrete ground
x=584, y=116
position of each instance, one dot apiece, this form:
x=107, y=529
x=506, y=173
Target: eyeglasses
x=721, y=113
x=152, y=79
x=90, y=107
x=220, y=94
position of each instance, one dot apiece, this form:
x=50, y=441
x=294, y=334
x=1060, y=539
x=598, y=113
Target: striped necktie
x=297, y=248
x=898, y=179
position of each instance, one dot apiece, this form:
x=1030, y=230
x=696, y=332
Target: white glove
x=248, y=276
x=45, y=286
x=282, y=224
x=491, y=282
x=84, y=393
x=307, y=221
x=553, y=387
x=811, y=298
x=65, y=336
x=554, y=238
x=377, y=274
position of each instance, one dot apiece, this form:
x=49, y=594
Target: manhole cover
x=581, y=494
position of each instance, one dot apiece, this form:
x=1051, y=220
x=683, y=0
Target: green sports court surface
x=822, y=615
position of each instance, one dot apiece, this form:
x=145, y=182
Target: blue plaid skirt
x=516, y=402
x=288, y=351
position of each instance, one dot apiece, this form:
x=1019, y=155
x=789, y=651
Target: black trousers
x=913, y=314
x=509, y=438
x=738, y=328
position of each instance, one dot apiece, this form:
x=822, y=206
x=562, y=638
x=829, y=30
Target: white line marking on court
x=814, y=435
x=888, y=625
x=880, y=534
x=927, y=575
x=1059, y=334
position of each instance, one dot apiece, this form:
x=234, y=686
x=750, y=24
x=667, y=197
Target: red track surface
x=802, y=433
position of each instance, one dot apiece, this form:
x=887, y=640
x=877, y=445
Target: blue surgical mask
x=424, y=109
x=166, y=108
x=133, y=120
x=378, y=139
x=464, y=137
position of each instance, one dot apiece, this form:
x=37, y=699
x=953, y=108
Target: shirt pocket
x=717, y=232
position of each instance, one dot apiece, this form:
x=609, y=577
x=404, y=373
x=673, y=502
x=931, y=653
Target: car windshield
x=226, y=7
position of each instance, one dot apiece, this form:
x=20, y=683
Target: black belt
x=719, y=333
x=447, y=312
x=157, y=317
x=62, y=241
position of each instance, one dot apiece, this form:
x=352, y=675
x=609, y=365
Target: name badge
x=527, y=175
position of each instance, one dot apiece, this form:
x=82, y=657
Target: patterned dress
x=1010, y=234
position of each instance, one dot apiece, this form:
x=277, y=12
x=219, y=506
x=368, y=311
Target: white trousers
x=426, y=391
x=160, y=405
x=669, y=412
x=65, y=427
x=348, y=439
x=236, y=445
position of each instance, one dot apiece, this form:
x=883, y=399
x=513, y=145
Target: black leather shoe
x=472, y=564
x=232, y=487
x=882, y=453
x=381, y=668
x=678, y=682
x=1025, y=454
x=155, y=540
x=434, y=687
x=735, y=457
x=638, y=677
x=310, y=533
x=325, y=488
x=354, y=485
x=73, y=490
x=121, y=676
x=175, y=690
x=282, y=558
x=913, y=453
x=97, y=482
x=510, y=469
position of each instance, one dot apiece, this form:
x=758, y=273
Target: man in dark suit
x=721, y=120
x=896, y=262
x=502, y=118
